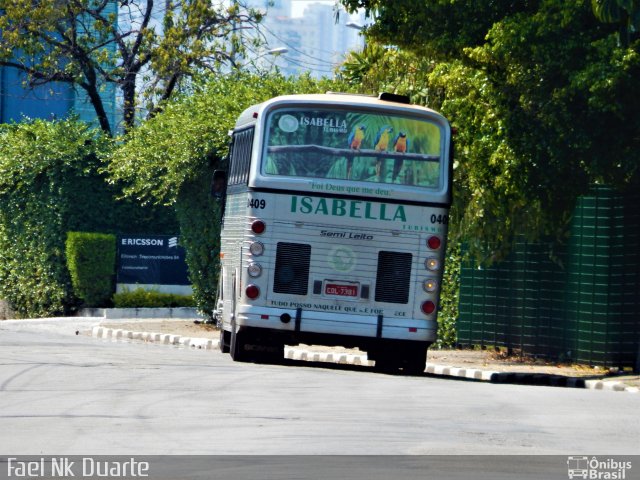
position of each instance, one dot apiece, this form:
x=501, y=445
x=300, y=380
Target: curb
x=328, y=357
x=142, y=313
x=116, y=334
x=292, y=353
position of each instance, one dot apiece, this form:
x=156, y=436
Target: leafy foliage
x=170, y=159
x=546, y=111
x=46, y=178
x=50, y=184
x=199, y=218
x=91, y=259
x=449, y=296
x=142, y=298
x=436, y=29
x=382, y=68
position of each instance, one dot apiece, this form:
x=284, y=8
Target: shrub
x=141, y=298
x=91, y=259
x=449, y=296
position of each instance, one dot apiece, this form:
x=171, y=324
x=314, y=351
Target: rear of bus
x=338, y=237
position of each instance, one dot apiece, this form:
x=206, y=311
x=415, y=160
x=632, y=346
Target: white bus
x=334, y=228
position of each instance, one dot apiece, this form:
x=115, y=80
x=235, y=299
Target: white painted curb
x=609, y=385
x=470, y=373
x=160, y=338
x=327, y=357
x=293, y=353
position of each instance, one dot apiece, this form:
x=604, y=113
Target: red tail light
x=252, y=292
x=434, y=242
x=258, y=227
x=428, y=307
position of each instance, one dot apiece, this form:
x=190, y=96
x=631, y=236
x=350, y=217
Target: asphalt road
x=62, y=394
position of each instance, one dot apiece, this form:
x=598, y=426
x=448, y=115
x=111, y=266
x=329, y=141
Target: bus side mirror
x=218, y=184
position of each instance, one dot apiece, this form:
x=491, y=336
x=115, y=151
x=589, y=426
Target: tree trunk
x=129, y=107
x=98, y=106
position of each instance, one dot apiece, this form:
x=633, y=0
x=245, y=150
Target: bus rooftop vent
x=393, y=97
x=329, y=92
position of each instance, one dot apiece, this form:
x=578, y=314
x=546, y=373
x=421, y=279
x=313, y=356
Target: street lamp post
x=360, y=28
x=277, y=51
x=273, y=52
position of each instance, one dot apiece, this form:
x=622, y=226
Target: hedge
x=141, y=298
x=91, y=259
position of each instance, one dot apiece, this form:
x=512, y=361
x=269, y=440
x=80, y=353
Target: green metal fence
x=584, y=307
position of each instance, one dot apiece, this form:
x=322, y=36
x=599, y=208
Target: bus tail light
x=434, y=242
x=252, y=291
x=256, y=249
x=428, y=307
x=254, y=270
x=429, y=285
x=432, y=263
x=258, y=227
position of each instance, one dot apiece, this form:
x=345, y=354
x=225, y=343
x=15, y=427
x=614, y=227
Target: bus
x=334, y=229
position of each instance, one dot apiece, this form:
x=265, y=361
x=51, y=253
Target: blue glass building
x=53, y=100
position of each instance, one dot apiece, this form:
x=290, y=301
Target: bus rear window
x=358, y=146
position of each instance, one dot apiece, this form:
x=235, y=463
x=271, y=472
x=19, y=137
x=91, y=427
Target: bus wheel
x=386, y=363
x=237, y=346
x=225, y=341
x=414, y=360
x=272, y=352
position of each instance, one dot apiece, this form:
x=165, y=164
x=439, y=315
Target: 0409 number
x=255, y=203
x=441, y=219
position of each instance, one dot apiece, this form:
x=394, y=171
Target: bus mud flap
x=379, y=330
x=298, y=318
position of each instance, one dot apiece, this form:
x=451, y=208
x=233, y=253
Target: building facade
x=54, y=100
x=315, y=39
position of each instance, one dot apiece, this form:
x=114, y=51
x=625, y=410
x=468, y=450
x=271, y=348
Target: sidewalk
x=469, y=364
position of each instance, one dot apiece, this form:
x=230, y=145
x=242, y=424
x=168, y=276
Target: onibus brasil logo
x=594, y=468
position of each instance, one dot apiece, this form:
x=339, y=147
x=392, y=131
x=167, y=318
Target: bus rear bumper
x=301, y=322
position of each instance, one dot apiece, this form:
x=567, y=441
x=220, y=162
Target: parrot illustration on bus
x=383, y=138
x=356, y=137
x=401, y=143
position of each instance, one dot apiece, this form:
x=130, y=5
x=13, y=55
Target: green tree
x=438, y=29
x=382, y=68
x=138, y=45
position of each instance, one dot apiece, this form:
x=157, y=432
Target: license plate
x=341, y=290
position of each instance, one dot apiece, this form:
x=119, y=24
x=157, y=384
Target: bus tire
x=273, y=353
x=386, y=363
x=237, y=346
x=414, y=360
x=225, y=341
x=408, y=357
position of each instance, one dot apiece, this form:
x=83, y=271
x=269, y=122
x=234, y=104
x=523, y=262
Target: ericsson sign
x=151, y=260
x=157, y=242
